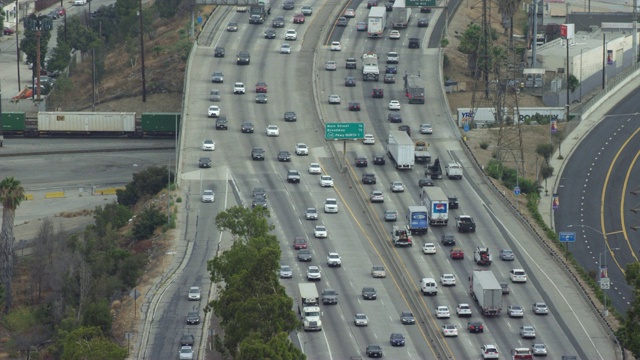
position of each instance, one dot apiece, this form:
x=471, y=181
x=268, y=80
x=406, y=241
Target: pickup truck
x=293, y=176
x=454, y=171
x=465, y=223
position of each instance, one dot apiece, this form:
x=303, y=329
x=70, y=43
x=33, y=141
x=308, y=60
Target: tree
x=26, y=331
x=89, y=343
x=244, y=223
x=629, y=332
x=508, y=8
x=29, y=45
x=11, y=195
x=573, y=83
x=545, y=150
x=474, y=44
x=278, y=347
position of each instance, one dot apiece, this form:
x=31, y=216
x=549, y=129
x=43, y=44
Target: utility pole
x=635, y=32
x=604, y=60
x=18, y=47
x=144, y=85
x=38, y=24
x=1, y=125
x=534, y=62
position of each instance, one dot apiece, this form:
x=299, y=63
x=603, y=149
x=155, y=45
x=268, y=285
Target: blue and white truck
x=417, y=218
x=437, y=202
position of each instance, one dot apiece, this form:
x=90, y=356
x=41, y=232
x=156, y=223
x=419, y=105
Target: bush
x=494, y=169
x=115, y=214
x=146, y=223
x=130, y=269
x=98, y=314
x=128, y=196
x=151, y=180
x=484, y=145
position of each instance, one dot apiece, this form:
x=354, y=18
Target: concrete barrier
x=108, y=191
x=54, y=195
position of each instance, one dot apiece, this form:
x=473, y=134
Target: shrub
x=484, y=145
x=98, y=314
x=146, y=223
x=128, y=196
x=494, y=169
x=115, y=214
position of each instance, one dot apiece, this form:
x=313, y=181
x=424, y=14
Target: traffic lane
x=336, y=33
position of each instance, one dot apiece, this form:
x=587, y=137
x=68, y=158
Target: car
x=330, y=65
x=232, y=27
x=539, y=350
x=489, y=351
x=284, y=155
x=334, y=99
x=405, y=128
x=414, y=43
x=448, y=280
x=331, y=206
x=193, y=318
x=278, y=22
x=392, y=57
x=377, y=271
x=507, y=255
x=299, y=242
x=389, y=79
x=186, y=352
x=311, y=214
x=288, y=5
x=361, y=162
x=239, y=88
x=61, y=11
x=270, y=34
x=407, y=318
x=426, y=129
x=285, y=272
x=315, y=168
x=423, y=22
x=425, y=182
x=448, y=240
x=518, y=276
x=217, y=77
x=259, y=200
x=272, y=130
x=246, y=127
x=515, y=311
x=390, y=215
x=374, y=351
x=505, y=288
x=194, y=293
x=361, y=320
x=221, y=123
x=79, y=2
x=377, y=196
x=257, y=153
x=241, y=9
x=351, y=63
x=218, y=51
x=377, y=93
x=306, y=10
x=52, y=14
x=394, y=117
x=208, y=145
x=243, y=58
x=390, y=69
x=326, y=181
x=320, y=232
x=354, y=106
x=290, y=116
x=396, y=339
x=313, y=273
x=368, y=139
x=456, y=254
x=397, y=186
x=334, y=260
x=304, y=255
x=475, y=327
x=540, y=308
x=361, y=26
x=258, y=191
x=336, y=46
x=442, y=312
x=187, y=340
x=261, y=98
x=453, y=202
x=372, y=3
x=204, y=162
x=378, y=159
x=369, y=178
x=302, y=149
x=285, y=49
x=369, y=293
x=449, y=330
x=208, y=196
x=429, y=248
x=214, y=111
x=527, y=332
x=350, y=81
x=291, y=35
x=261, y=87
x=426, y=10
x=463, y=310
x=394, y=34
x=342, y=21
x=298, y=18
x=349, y=13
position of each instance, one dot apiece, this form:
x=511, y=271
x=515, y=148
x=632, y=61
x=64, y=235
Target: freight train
x=90, y=124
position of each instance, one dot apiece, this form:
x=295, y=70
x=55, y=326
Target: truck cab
x=482, y=256
x=465, y=223
x=401, y=236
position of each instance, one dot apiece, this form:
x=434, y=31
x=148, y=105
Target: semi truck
x=438, y=205
x=421, y=153
x=309, y=308
x=417, y=217
x=258, y=13
x=401, y=236
x=486, y=290
x=434, y=171
x=400, y=15
x=376, y=21
x=370, y=70
x=400, y=148
x=414, y=88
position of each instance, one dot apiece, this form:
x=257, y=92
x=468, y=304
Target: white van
x=429, y=286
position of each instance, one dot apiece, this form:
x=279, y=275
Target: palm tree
x=11, y=195
x=508, y=8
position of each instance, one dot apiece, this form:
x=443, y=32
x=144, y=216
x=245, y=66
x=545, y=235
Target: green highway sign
x=420, y=3
x=343, y=131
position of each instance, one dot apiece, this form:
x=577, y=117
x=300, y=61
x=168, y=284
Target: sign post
x=344, y=131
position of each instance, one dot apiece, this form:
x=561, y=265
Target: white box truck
x=376, y=21
x=401, y=150
x=437, y=203
x=486, y=290
x=309, y=308
x=400, y=15
x=370, y=69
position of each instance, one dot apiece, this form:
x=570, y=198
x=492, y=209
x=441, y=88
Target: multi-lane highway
x=298, y=82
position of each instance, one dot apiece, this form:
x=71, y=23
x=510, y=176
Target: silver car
x=397, y=186
x=334, y=99
x=539, y=349
x=285, y=272
x=540, y=308
x=285, y=49
x=361, y=320
x=527, y=332
x=426, y=129
x=515, y=311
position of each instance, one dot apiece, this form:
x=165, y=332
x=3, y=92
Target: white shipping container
x=86, y=122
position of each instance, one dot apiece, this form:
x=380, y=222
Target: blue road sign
x=567, y=237
x=466, y=127
x=516, y=190
x=199, y=19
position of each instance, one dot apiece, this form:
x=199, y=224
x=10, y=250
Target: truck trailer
x=376, y=21
x=486, y=290
x=309, y=308
x=417, y=217
x=400, y=148
x=414, y=88
x=370, y=69
x=437, y=203
x=399, y=17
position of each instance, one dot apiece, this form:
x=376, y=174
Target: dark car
x=290, y=116
x=278, y=22
x=389, y=78
x=505, y=288
x=261, y=98
x=426, y=182
x=232, y=27
x=257, y=153
x=396, y=339
x=350, y=81
x=354, y=106
x=405, y=128
x=304, y=255
x=475, y=327
x=288, y=5
x=374, y=351
x=221, y=123
x=243, y=58
x=53, y=14
x=284, y=156
x=426, y=10
x=372, y=3
x=448, y=240
x=377, y=93
x=414, y=43
x=299, y=242
x=351, y=63
x=218, y=51
x=193, y=318
x=270, y=34
x=378, y=159
x=361, y=162
x=342, y=21
x=187, y=340
x=407, y=318
x=369, y=178
x=394, y=118
x=258, y=191
x=369, y=293
x=389, y=6
x=246, y=127
x=259, y=200
x=204, y=162
x=390, y=69
x=423, y=22
x=453, y=202
x=298, y=19
x=7, y=31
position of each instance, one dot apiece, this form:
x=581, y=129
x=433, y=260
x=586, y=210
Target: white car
x=208, y=145
x=369, y=139
x=194, y=293
x=314, y=168
x=238, y=88
x=518, y=275
x=334, y=99
x=426, y=129
x=214, y=111
x=392, y=57
x=463, y=310
x=79, y=2
x=394, y=105
x=320, y=231
x=539, y=349
x=291, y=35
x=285, y=272
x=540, y=308
x=449, y=330
x=515, y=311
x=285, y=49
x=397, y=186
x=186, y=353
x=331, y=206
x=448, y=280
x=377, y=196
x=313, y=273
x=330, y=65
x=208, y=196
x=333, y=259
x=442, y=312
x=361, y=320
x=336, y=46
x=489, y=352
x=302, y=149
x=326, y=181
x=429, y=248
x=272, y=130
x=394, y=34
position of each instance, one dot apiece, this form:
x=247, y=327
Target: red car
x=61, y=11
x=457, y=253
x=299, y=243
x=354, y=106
x=261, y=87
x=298, y=19
x=7, y=31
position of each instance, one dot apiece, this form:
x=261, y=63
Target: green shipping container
x=160, y=123
x=12, y=122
